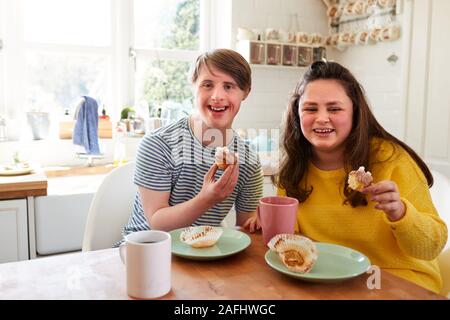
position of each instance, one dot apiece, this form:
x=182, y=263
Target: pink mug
x=277, y=215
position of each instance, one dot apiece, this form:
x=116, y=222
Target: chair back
x=440, y=193
x=110, y=209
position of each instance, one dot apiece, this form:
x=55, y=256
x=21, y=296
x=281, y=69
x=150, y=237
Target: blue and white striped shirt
x=171, y=159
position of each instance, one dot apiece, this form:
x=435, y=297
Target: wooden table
x=22, y=186
x=101, y=275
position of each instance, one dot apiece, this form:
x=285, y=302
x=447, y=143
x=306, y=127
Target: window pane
x=78, y=22
x=56, y=82
x=158, y=82
x=3, y=110
x=167, y=24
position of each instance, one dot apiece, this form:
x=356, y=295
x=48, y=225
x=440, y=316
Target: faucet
x=90, y=158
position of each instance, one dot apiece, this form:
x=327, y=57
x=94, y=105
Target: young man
x=179, y=182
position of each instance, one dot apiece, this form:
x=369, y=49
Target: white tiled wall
x=266, y=103
x=381, y=80
x=276, y=14
x=271, y=85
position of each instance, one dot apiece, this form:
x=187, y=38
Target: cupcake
x=224, y=157
x=201, y=236
x=359, y=179
x=296, y=252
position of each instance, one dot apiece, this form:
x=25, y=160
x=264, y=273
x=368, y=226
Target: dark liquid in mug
x=145, y=242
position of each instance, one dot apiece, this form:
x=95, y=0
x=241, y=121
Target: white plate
x=230, y=242
x=334, y=263
x=14, y=172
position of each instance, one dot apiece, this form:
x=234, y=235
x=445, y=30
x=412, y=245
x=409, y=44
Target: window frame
x=121, y=52
x=181, y=55
x=2, y=68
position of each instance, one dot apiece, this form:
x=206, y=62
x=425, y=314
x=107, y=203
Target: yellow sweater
x=407, y=247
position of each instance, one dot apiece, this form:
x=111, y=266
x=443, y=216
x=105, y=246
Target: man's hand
x=252, y=224
x=216, y=191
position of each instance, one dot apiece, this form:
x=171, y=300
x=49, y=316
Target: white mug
x=147, y=256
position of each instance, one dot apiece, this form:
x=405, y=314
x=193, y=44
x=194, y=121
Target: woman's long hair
x=296, y=151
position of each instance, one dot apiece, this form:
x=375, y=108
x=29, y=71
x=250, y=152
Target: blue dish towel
x=85, y=132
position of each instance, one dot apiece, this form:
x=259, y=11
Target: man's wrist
x=204, y=201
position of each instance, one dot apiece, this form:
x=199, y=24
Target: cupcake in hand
x=359, y=179
x=224, y=157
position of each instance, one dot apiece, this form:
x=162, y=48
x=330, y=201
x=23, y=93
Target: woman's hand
x=388, y=198
x=252, y=224
x=216, y=191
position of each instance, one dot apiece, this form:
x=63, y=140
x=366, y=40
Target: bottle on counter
x=105, y=128
x=104, y=116
x=120, y=156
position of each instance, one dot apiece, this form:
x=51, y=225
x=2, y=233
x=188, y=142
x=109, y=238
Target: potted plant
x=126, y=115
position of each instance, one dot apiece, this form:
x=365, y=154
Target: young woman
x=179, y=182
x=329, y=131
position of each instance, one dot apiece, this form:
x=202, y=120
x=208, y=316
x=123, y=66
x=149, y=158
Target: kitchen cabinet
x=13, y=230
x=17, y=227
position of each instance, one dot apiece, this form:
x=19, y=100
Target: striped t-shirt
x=171, y=159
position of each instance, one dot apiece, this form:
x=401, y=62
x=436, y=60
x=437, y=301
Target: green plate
x=230, y=242
x=334, y=263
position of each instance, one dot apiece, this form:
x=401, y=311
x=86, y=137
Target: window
x=3, y=111
x=56, y=81
x=169, y=24
x=166, y=44
x=158, y=81
x=122, y=53
x=72, y=22
x=67, y=56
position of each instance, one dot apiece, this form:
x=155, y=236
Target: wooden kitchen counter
x=56, y=172
x=269, y=164
x=14, y=187
x=22, y=186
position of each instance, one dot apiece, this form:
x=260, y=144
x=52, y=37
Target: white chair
x=440, y=193
x=110, y=209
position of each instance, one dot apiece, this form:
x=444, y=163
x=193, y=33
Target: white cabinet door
x=13, y=230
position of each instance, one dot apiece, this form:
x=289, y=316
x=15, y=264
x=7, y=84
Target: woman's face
x=218, y=98
x=326, y=114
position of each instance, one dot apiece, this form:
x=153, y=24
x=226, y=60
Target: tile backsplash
x=381, y=79
x=269, y=97
x=272, y=86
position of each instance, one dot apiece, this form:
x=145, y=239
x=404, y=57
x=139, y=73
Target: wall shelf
x=280, y=55
x=276, y=67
